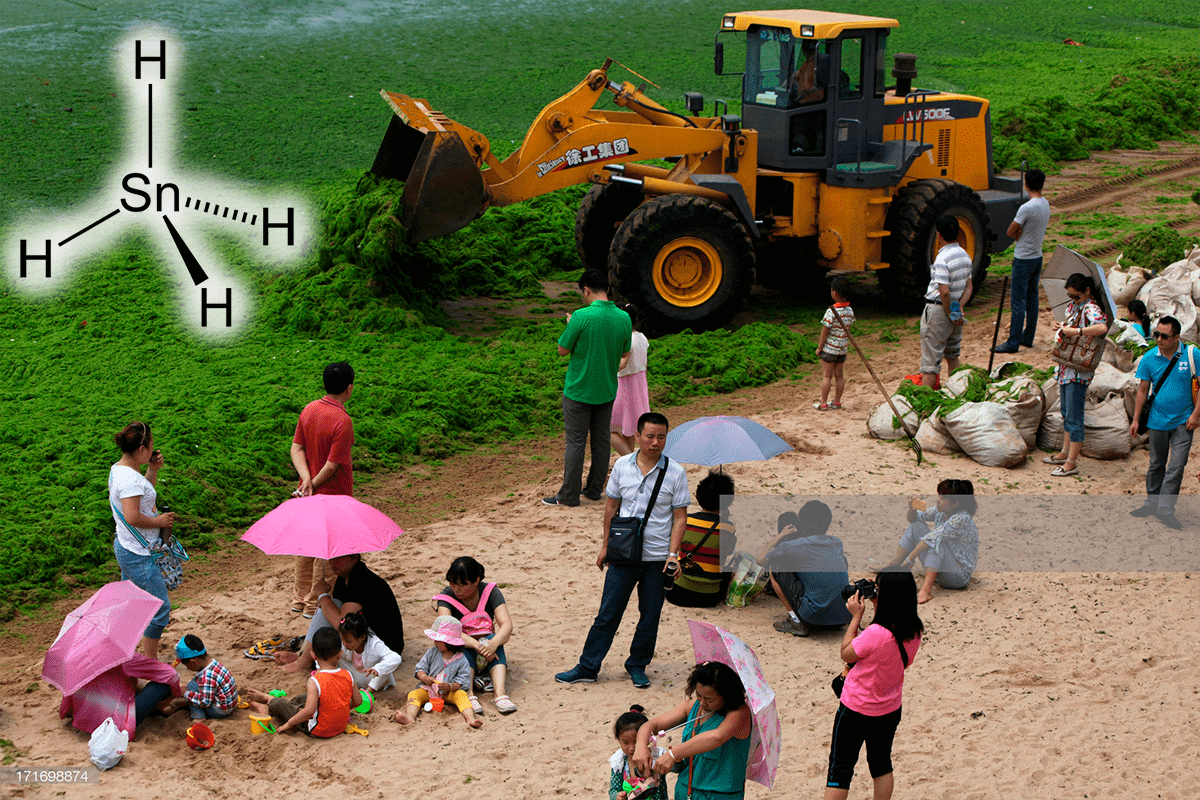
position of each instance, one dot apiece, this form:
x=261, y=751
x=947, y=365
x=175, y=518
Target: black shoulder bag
x=688, y=560
x=1144, y=417
x=625, y=533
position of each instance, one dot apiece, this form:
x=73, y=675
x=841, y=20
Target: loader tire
x=911, y=247
x=684, y=261
x=603, y=209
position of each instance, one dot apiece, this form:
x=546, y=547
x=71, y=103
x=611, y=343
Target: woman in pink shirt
x=869, y=711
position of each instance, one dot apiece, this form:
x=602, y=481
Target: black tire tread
x=602, y=210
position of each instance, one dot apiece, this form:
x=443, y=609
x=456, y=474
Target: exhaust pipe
x=905, y=72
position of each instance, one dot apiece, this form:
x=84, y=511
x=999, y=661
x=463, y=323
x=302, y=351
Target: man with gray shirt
x=1028, y=229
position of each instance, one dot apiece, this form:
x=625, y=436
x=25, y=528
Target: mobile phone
x=917, y=504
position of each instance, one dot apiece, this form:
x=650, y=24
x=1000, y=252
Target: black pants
x=850, y=730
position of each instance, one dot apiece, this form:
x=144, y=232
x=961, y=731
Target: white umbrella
x=1063, y=264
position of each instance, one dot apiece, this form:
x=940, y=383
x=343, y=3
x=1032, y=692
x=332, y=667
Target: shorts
x=457, y=698
x=940, y=338
x=284, y=708
x=840, y=358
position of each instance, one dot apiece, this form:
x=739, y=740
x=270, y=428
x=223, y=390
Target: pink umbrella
x=711, y=643
x=322, y=526
x=101, y=634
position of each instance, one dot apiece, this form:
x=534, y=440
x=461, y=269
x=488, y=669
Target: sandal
x=821, y=406
x=1059, y=472
x=264, y=649
x=483, y=684
x=476, y=706
x=835, y=406
x=503, y=704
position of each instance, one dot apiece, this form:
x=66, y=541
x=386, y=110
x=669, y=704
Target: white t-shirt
x=125, y=482
x=637, y=355
x=1033, y=216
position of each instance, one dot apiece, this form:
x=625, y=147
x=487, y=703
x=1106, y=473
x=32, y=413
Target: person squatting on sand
x=701, y=583
x=808, y=572
x=869, y=711
x=357, y=589
x=597, y=337
x=630, y=492
x=486, y=627
x=443, y=672
x=139, y=526
x=213, y=693
x=321, y=455
x=325, y=709
x=950, y=551
x=715, y=748
x=624, y=781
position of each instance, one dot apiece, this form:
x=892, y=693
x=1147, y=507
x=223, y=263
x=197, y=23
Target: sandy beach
x=1029, y=684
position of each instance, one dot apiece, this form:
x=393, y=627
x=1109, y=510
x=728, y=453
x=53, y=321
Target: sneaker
x=1142, y=511
x=639, y=677
x=575, y=675
x=1007, y=347
x=1170, y=521
x=788, y=625
x=553, y=500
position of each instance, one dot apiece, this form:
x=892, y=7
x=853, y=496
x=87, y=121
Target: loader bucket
x=443, y=189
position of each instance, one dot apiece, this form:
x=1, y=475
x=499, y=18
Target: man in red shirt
x=321, y=454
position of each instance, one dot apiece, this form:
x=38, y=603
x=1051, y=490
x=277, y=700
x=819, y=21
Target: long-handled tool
x=911, y=436
x=999, y=318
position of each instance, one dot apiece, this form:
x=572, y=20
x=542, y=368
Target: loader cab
x=813, y=87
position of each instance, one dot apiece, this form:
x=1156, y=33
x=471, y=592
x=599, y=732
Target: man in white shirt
x=949, y=283
x=629, y=490
x=1028, y=229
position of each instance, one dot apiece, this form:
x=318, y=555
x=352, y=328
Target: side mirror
x=719, y=58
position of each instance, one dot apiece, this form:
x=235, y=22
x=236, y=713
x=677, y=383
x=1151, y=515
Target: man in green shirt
x=597, y=337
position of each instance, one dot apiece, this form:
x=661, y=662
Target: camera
x=861, y=586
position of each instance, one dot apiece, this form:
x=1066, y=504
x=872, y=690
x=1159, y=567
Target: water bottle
x=955, y=311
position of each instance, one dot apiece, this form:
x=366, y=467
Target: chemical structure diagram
x=177, y=209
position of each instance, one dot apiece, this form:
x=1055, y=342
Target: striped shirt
x=952, y=267
x=837, y=342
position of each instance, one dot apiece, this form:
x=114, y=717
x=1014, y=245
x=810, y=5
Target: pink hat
x=448, y=630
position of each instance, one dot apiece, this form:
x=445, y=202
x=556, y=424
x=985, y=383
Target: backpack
x=474, y=623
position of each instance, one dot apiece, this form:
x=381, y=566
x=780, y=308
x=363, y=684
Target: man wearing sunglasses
x=1174, y=415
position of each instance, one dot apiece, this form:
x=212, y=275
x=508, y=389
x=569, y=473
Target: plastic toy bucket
x=260, y=725
x=200, y=736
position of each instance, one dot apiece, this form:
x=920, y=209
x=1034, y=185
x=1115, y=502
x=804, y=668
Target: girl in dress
x=633, y=393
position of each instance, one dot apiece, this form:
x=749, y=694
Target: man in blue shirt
x=629, y=490
x=1174, y=415
x=808, y=572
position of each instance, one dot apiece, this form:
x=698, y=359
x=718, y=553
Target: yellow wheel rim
x=966, y=232
x=687, y=271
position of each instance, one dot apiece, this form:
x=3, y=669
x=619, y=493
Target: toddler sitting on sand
x=443, y=672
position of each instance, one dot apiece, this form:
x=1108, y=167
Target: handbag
x=839, y=683
x=688, y=563
x=625, y=533
x=1144, y=417
x=1080, y=353
x=167, y=556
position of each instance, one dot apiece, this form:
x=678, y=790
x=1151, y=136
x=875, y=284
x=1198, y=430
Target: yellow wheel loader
x=826, y=168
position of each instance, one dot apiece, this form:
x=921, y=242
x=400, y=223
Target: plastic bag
x=108, y=744
x=749, y=578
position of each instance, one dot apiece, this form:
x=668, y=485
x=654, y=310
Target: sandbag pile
x=1175, y=291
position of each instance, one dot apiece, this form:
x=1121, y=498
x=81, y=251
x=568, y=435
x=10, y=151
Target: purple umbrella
x=101, y=634
x=723, y=440
x=322, y=526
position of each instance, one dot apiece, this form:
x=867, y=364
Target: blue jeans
x=1163, y=477
x=1023, y=323
x=1071, y=397
x=204, y=712
x=144, y=573
x=145, y=700
x=619, y=583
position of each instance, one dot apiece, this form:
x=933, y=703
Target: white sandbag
x=958, y=383
x=1193, y=256
x=1050, y=431
x=1195, y=276
x=1124, y=332
x=934, y=438
x=1118, y=358
x=986, y=433
x=883, y=423
x=1024, y=400
x=1111, y=382
x=1106, y=429
x=1171, y=294
x=1124, y=283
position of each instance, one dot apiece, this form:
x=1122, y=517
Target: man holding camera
x=630, y=490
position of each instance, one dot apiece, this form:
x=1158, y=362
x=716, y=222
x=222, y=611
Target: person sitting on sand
x=369, y=661
x=325, y=709
x=443, y=672
x=213, y=693
x=357, y=589
x=948, y=552
x=701, y=583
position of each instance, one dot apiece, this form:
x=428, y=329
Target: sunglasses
x=1160, y=335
